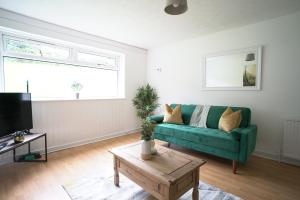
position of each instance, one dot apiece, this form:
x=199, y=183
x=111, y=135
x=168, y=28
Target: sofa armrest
x=156, y=118
x=247, y=141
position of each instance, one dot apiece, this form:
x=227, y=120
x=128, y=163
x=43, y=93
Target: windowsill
x=82, y=99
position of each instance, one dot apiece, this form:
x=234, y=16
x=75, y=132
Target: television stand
x=28, y=138
x=2, y=145
x=4, y=140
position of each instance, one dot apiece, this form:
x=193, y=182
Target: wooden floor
x=258, y=179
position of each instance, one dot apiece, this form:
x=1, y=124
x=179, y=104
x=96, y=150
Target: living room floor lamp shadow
x=233, y=70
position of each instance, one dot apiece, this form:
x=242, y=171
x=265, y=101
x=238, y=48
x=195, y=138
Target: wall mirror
x=233, y=70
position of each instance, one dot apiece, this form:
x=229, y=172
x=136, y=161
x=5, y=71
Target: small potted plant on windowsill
x=145, y=102
x=76, y=86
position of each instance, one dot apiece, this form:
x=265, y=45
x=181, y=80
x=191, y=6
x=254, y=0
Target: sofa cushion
x=186, y=111
x=215, y=113
x=206, y=136
x=172, y=116
x=230, y=120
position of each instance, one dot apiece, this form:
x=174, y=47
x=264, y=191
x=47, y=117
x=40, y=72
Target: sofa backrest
x=214, y=115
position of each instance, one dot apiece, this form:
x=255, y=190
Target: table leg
x=116, y=176
x=196, y=184
x=46, y=153
x=29, y=148
x=14, y=155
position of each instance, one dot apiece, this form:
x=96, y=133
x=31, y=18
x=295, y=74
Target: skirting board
x=9, y=159
x=291, y=161
x=267, y=155
x=278, y=158
x=118, y=134
x=90, y=141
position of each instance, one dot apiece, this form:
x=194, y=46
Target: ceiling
x=143, y=23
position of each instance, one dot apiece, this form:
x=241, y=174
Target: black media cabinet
x=28, y=138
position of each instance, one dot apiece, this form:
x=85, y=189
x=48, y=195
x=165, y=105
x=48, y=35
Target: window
x=99, y=60
x=34, y=48
x=53, y=81
x=49, y=71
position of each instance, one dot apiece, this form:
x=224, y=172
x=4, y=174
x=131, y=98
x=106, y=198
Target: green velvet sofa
x=236, y=146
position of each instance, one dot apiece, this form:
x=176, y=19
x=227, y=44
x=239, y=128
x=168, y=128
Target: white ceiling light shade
x=176, y=7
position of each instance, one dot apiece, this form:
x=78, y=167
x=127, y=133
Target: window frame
x=117, y=67
x=72, y=59
x=4, y=36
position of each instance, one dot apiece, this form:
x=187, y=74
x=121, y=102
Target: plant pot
x=146, y=150
x=77, y=95
x=153, y=149
x=19, y=138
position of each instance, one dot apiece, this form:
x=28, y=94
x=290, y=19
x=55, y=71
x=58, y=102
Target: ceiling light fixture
x=176, y=7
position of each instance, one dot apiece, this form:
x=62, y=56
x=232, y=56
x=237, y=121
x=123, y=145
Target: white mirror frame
x=258, y=52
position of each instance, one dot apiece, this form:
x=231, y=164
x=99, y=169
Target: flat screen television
x=15, y=113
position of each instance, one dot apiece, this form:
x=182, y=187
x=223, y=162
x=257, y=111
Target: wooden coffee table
x=168, y=175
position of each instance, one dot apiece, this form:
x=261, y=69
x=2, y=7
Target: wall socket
x=158, y=69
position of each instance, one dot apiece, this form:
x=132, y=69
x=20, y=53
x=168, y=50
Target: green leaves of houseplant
x=145, y=102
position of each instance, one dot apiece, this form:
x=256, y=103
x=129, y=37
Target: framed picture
x=233, y=70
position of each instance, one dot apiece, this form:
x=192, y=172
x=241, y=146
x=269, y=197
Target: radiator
x=291, y=141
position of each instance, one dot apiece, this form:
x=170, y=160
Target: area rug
x=102, y=187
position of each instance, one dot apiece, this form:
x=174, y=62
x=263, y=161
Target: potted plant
x=76, y=86
x=145, y=102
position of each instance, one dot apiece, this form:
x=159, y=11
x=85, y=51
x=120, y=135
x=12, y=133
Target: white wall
x=180, y=79
x=70, y=123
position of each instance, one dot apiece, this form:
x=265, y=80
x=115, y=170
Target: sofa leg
x=169, y=144
x=234, y=166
